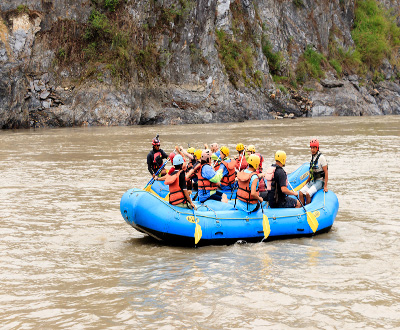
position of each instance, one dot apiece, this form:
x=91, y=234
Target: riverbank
x=109, y=63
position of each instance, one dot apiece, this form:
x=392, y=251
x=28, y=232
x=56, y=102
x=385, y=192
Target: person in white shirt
x=318, y=178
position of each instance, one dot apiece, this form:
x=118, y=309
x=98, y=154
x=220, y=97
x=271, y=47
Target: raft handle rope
x=206, y=216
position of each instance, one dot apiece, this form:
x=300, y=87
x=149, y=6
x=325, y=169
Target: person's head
x=214, y=147
x=191, y=150
x=206, y=156
x=156, y=143
x=224, y=152
x=251, y=149
x=178, y=161
x=239, y=148
x=280, y=157
x=171, y=157
x=314, y=145
x=253, y=161
x=197, y=154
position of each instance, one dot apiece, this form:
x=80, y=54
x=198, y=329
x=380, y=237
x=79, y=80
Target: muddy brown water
x=69, y=261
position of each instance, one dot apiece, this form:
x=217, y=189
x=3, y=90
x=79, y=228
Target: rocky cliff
x=115, y=62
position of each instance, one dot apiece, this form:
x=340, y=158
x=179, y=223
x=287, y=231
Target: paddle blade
x=148, y=188
x=266, y=227
x=197, y=234
x=312, y=221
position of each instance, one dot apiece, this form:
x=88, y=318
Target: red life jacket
x=244, y=190
x=242, y=165
x=176, y=195
x=230, y=178
x=157, y=161
x=204, y=183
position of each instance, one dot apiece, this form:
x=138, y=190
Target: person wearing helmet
x=155, y=158
x=208, y=180
x=241, y=162
x=228, y=181
x=247, y=196
x=191, y=175
x=318, y=177
x=191, y=164
x=178, y=193
x=277, y=190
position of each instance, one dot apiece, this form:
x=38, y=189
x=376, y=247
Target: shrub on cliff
x=375, y=32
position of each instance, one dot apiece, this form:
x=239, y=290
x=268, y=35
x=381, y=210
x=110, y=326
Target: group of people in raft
x=212, y=173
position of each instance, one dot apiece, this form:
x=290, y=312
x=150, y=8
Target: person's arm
x=186, y=193
x=325, y=168
x=206, y=146
x=253, y=192
x=286, y=191
x=163, y=154
x=209, y=174
x=149, y=165
x=182, y=185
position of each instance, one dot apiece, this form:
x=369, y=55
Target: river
x=69, y=261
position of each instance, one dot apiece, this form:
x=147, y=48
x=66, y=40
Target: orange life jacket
x=204, y=183
x=244, y=190
x=243, y=165
x=230, y=178
x=176, y=195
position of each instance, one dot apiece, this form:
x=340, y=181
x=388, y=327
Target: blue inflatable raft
x=215, y=223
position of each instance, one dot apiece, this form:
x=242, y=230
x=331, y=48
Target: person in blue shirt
x=248, y=198
x=208, y=180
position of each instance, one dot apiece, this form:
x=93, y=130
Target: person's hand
x=194, y=206
x=154, y=176
x=325, y=189
x=261, y=199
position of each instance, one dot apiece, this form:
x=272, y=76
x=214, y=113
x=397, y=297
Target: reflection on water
x=68, y=259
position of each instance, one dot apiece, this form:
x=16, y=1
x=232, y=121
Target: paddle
x=311, y=219
x=265, y=223
x=148, y=185
x=240, y=165
x=197, y=232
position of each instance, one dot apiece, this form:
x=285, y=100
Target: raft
x=217, y=223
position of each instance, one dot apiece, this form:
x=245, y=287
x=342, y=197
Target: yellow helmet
x=240, y=147
x=280, y=156
x=251, y=148
x=224, y=150
x=191, y=150
x=254, y=161
x=197, y=153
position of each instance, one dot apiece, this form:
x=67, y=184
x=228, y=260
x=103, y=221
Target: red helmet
x=314, y=143
x=171, y=156
x=156, y=142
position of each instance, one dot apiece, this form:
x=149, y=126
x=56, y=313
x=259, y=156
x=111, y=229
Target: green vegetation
x=236, y=56
x=336, y=65
x=298, y=3
x=237, y=51
x=274, y=58
x=375, y=33
x=111, y=4
x=22, y=9
x=311, y=65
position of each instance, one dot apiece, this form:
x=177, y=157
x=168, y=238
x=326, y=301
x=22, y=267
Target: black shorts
x=288, y=202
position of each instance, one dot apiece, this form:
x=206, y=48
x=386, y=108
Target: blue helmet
x=178, y=160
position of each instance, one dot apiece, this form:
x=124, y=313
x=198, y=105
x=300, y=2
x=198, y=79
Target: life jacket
x=230, y=178
x=261, y=185
x=241, y=166
x=271, y=183
x=244, y=190
x=314, y=175
x=157, y=160
x=204, y=183
x=176, y=195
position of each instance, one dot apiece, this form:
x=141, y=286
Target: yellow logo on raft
x=305, y=175
x=317, y=214
x=190, y=218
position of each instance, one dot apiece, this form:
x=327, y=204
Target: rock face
x=193, y=84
